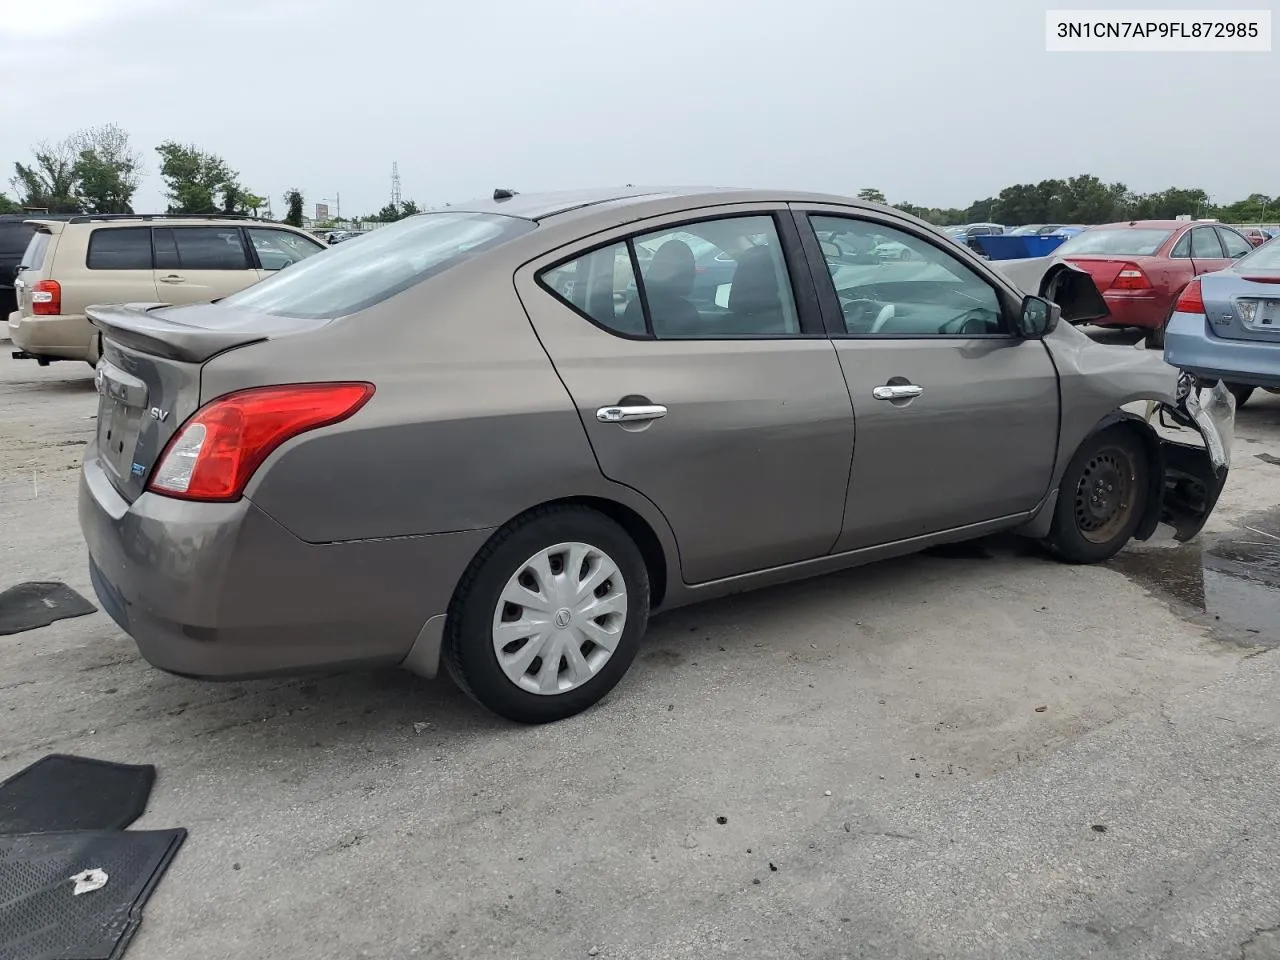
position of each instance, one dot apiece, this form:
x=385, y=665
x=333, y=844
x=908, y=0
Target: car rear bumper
x=1134, y=310
x=1189, y=345
x=62, y=338
x=221, y=590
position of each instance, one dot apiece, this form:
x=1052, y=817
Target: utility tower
x=395, y=185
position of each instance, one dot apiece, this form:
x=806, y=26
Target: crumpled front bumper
x=1192, y=475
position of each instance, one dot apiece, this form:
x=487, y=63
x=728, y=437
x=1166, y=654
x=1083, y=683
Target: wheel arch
x=1039, y=525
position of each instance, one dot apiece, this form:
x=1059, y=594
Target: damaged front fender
x=1192, y=475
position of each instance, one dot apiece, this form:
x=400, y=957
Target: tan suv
x=71, y=264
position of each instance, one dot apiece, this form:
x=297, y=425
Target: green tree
x=48, y=183
x=8, y=206
x=408, y=209
x=107, y=170
x=293, y=201
x=197, y=181
x=871, y=195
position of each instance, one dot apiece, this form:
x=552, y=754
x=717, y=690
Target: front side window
x=906, y=286
x=713, y=279
x=200, y=248
x=119, y=248
x=277, y=249
x=1233, y=243
x=354, y=276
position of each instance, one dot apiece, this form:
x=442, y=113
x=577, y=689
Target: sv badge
x=158, y=414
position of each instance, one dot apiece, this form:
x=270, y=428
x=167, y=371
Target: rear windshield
x=356, y=274
x=1264, y=258
x=1131, y=243
x=33, y=258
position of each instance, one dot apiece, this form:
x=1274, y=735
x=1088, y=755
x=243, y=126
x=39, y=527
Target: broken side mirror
x=1038, y=318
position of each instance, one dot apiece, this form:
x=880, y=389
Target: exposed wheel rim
x=560, y=618
x=1104, y=497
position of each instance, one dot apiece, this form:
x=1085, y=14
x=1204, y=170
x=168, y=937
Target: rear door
x=1207, y=255
x=194, y=264
x=957, y=417
x=723, y=404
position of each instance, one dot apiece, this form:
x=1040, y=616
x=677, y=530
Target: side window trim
x=805, y=295
x=833, y=315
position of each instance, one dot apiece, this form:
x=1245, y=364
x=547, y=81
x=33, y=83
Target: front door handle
x=173, y=278
x=650, y=411
x=897, y=391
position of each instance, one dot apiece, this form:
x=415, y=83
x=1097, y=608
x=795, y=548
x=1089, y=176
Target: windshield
x=1265, y=258
x=1129, y=243
x=354, y=276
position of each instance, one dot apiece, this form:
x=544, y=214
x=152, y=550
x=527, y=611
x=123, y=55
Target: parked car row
x=70, y=262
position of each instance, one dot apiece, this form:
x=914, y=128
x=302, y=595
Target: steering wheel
x=962, y=321
x=886, y=314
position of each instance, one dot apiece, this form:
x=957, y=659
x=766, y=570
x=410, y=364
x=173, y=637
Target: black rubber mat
x=58, y=792
x=38, y=604
x=42, y=918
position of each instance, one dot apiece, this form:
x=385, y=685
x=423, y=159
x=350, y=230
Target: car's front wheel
x=549, y=615
x=1242, y=392
x=1101, y=498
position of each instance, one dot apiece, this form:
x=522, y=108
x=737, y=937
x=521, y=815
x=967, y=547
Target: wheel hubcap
x=1104, y=496
x=560, y=618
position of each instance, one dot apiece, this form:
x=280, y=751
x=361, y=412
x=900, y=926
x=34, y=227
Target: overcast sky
x=938, y=102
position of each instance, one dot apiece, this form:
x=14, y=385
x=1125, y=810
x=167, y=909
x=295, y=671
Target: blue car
x=1226, y=325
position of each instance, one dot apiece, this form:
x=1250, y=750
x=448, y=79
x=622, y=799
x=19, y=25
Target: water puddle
x=1232, y=578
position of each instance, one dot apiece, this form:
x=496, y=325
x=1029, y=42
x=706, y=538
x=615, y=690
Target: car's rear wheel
x=1242, y=393
x=549, y=615
x=1101, y=498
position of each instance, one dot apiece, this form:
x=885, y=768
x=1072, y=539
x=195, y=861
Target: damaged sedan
x=497, y=438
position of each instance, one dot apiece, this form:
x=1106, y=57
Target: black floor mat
x=41, y=918
x=38, y=604
x=74, y=793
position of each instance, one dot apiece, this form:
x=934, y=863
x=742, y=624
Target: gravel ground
x=980, y=755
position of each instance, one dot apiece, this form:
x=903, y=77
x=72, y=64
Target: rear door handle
x=898, y=391
x=173, y=278
x=652, y=411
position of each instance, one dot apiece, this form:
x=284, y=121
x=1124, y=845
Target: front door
x=957, y=417
x=723, y=403
x=195, y=264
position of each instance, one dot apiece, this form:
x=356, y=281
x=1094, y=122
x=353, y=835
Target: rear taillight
x=1191, y=300
x=46, y=298
x=1131, y=277
x=215, y=453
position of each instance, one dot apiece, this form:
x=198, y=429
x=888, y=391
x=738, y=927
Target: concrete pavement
x=911, y=760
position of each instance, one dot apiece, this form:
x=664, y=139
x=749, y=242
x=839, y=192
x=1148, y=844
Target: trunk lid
x=148, y=379
x=1104, y=270
x=1243, y=306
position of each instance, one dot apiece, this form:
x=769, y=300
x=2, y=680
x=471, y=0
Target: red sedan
x=1141, y=266
x=1256, y=235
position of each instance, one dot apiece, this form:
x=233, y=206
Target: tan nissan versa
x=496, y=437
x=72, y=264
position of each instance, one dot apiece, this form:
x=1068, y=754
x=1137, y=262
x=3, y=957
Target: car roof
x=544, y=206
x=1147, y=224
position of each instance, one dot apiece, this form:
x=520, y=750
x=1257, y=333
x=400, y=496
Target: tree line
x=1086, y=200
x=97, y=170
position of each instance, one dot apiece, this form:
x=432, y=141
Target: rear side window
x=200, y=248
x=120, y=248
x=33, y=258
x=1205, y=245
x=354, y=276
x=602, y=285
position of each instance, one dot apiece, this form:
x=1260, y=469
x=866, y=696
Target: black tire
x=1155, y=338
x=469, y=652
x=1095, y=516
x=1242, y=392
